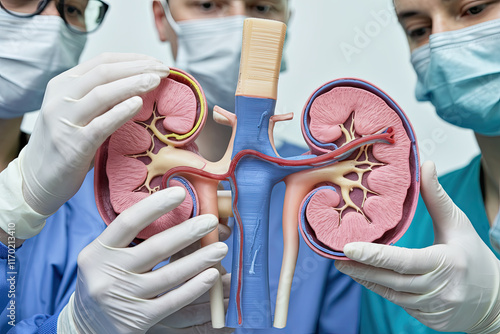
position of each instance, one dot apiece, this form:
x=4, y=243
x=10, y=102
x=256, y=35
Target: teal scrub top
x=379, y=316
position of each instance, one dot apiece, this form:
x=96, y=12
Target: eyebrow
x=406, y=14
x=410, y=13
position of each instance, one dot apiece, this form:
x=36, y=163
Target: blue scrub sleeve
x=40, y=323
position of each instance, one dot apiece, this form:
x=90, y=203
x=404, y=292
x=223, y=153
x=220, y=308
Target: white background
x=319, y=34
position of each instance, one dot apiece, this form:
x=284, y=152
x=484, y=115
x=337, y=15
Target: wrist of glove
x=17, y=218
x=451, y=286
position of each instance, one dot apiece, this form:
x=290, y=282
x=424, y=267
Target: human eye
x=206, y=6
x=417, y=34
x=72, y=9
x=265, y=9
x=480, y=8
x=262, y=9
x=475, y=10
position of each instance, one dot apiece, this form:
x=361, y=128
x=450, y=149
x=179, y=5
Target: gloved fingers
x=224, y=232
x=398, y=259
x=403, y=299
x=184, y=295
x=446, y=216
x=130, y=222
x=387, y=278
x=110, y=72
x=171, y=275
x=164, y=244
x=103, y=126
x=106, y=58
x=191, y=315
x=102, y=98
x=186, y=251
x=199, y=329
x=226, y=285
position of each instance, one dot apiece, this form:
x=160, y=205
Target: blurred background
x=327, y=39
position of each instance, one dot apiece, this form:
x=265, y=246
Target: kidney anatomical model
x=358, y=182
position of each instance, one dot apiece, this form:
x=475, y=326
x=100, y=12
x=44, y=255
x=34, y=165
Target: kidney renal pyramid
x=359, y=181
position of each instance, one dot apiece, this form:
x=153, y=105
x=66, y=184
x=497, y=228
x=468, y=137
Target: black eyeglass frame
x=43, y=4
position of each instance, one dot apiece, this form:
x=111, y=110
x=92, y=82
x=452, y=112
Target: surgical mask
x=459, y=73
x=210, y=50
x=33, y=51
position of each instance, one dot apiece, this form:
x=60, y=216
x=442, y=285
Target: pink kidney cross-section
x=131, y=163
x=372, y=194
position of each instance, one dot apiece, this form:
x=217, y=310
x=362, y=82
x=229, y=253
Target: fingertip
x=210, y=276
x=177, y=193
x=224, y=232
x=222, y=247
x=353, y=250
x=211, y=220
x=429, y=171
x=163, y=70
x=339, y=264
x=154, y=79
x=135, y=104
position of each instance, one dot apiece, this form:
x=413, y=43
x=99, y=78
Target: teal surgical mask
x=459, y=73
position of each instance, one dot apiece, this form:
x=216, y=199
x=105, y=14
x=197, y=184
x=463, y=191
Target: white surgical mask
x=459, y=73
x=210, y=50
x=33, y=51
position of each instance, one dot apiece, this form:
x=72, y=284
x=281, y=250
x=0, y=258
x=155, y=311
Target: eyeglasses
x=80, y=16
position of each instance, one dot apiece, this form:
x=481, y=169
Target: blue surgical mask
x=33, y=51
x=210, y=50
x=459, y=73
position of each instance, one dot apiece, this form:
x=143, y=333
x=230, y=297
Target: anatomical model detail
x=358, y=182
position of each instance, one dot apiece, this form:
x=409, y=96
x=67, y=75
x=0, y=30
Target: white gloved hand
x=450, y=286
x=118, y=292
x=194, y=318
x=81, y=108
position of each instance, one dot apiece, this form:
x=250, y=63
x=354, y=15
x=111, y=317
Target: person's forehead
x=228, y=1
x=416, y=4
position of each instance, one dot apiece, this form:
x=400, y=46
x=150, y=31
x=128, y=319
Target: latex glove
x=116, y=289
x=450, y=286
x=81, y=108
x=194, y=318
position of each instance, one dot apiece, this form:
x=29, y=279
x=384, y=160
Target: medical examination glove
x=450, y=286
x=81, y=108
x=196, y=317
x=118, y=292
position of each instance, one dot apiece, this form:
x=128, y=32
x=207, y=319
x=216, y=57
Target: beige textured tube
x=261, y=54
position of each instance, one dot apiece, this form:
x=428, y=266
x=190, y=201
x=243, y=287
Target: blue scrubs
x=46, y=264
x=322, y=299
x=379, y=316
